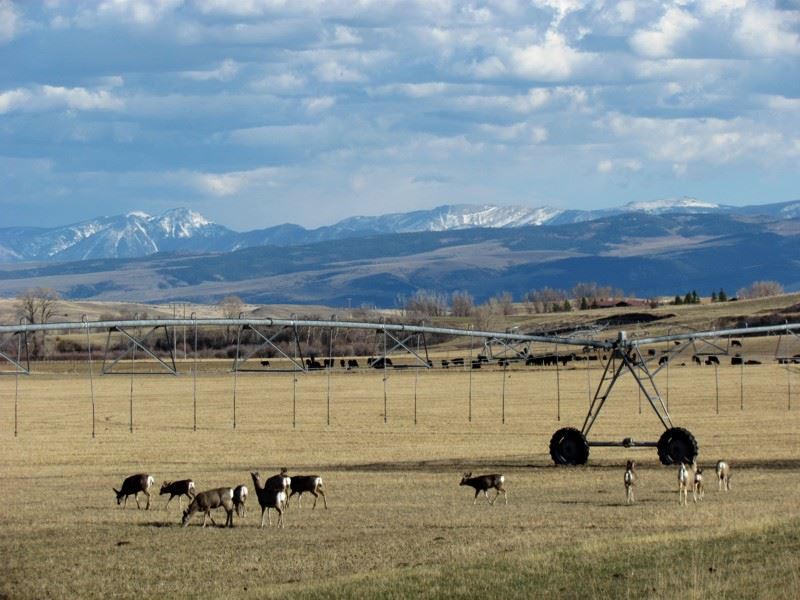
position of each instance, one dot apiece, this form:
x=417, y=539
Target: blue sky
x=260, y=112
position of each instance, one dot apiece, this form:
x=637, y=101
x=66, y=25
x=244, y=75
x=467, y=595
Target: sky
x=261, y=112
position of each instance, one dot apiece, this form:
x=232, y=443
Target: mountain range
x=656, y=252
x=137, y=234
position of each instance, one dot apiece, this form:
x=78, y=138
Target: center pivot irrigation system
x=568, y=446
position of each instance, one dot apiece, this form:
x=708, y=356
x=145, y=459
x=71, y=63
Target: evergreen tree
x=723, y=297
x=584, y=303
x=713, y=296
x=677, y=301
x=695, y=297
x=567, y=306
x=687, y=299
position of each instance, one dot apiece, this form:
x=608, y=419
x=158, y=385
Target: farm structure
x=568, y=446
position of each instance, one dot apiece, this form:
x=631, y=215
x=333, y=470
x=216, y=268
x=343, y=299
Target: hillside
x=643, y=254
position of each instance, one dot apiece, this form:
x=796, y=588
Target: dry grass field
x=398, y=524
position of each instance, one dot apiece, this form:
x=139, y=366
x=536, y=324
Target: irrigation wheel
x=677, y=445
x=568, y=447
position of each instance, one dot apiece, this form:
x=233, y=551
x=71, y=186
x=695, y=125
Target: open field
x=398, y=523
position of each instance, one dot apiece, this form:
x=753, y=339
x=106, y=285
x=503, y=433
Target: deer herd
x=275, y=492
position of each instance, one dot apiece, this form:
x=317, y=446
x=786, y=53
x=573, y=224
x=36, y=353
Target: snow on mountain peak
x=671, y=204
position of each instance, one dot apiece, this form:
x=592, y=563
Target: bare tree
x=760, y=289
x=462, y=304
x=37, y=305
x=424, y=304
x=231, y=308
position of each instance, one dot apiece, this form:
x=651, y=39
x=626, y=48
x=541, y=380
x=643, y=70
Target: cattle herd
x=275, y=492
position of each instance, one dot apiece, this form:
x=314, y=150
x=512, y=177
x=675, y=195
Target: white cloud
x=619, y=164
x=226, y=71
x=660, y=41
x=332, y=71
x=9, y=21
x=314, y=105
x=234, y=182
x=767, y=32
x=143, y=12
x=48, y=97
x=551, y=60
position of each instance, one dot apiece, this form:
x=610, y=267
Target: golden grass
x=398, y=523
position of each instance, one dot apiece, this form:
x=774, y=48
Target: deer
x=240, y=500
x=270, y=496
x=184, y=487
x=697, y=487
x=683, y=484
x=206, y=502
x=482, y=483
x=723, y=476
x=630, y=481
x=141, y=482
x=307, y=483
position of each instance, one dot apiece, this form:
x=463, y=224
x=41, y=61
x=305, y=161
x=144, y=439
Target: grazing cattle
x=445, y=363
x=352, y=363
x=663, y=360
x=476, y=364
x=264, y=363
x=736, y=343
x=651, y=352
x=483, y=358
x=380, y=363
x=696, y=359
x=313, y=364
x=737, y=360
x=712, y=360
x=752, y=362
x=458, y=362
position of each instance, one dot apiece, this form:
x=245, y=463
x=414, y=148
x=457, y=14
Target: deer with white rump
x=683, y=484
x=132, y=486
x=483, y=483
x=206, y=501
x=698, y=487
x=630, y=481
x=240, y=500
x=184, y=487
x=301, y=484
x=724, y=475
x=270, y=495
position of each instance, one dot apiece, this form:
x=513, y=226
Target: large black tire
x=677, y=445
x=568, y=447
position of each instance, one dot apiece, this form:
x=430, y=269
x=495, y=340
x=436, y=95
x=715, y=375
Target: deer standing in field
x=630, y=481
x=307, y=483
x=184, y=487
x=723, y=476
x=683, y=484
x=483, y=483
x=141, y=482
x=206, y=501
x=240, y=500
x=270, y=496
x=697, y=485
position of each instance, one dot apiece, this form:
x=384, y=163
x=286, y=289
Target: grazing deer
x=240, y=500
x=630, y=481
x=482, y=483
x=269, y=497
x=307, y=483
x=209, y=500
x=141, y=482
x=683, y=484
x=724, y=475
x=697, y=487
x=184, y=487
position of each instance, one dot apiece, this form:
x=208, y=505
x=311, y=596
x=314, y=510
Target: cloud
x=767, y=32
x=619, y=164
x=661, y=40
x=551, y=60
x=234, y=182
x=226, y=71
x=142, y=12
x=48, y=97
x=9, y=21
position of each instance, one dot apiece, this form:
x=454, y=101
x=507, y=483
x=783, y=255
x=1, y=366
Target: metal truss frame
x=137, y=342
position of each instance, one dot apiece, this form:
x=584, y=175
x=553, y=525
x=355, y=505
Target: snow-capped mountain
x=138, y=234
x=122, y=236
